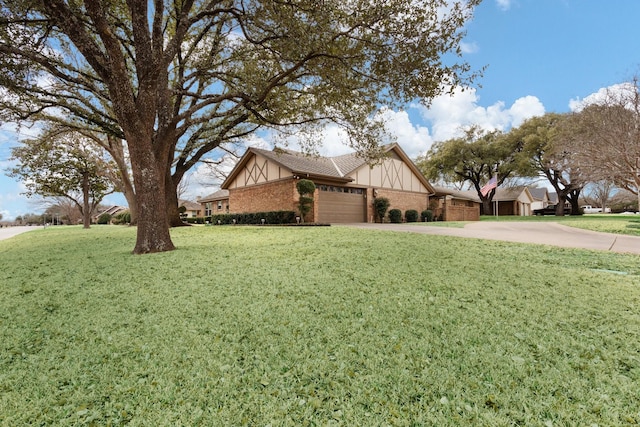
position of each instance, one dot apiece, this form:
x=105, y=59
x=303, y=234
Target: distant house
x=450, y=204
x=215, y=203
x=265, y=180
x=513, y=201
x=191, y=209
x=112, y=211
x=540, y=198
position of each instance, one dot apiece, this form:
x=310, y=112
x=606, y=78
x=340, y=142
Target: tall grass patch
x=314, y=326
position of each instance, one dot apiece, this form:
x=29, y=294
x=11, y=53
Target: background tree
x=474, y=159
x=599, y=193
x=549, y=149
x=175, y=80
x=63, y=165
x=609, y=131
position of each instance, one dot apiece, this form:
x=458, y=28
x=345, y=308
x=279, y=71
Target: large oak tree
x=550, y=149
x=176, y=79
x=474, y=158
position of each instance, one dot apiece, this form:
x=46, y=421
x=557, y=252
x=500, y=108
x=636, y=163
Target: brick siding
x=273, y=196
x=402, y=200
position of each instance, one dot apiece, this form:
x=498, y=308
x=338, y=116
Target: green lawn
x=289, y=326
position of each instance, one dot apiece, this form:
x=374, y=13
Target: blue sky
x=541, y=55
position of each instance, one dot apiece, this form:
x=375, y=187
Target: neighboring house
x=346, y=185
x=192, y=209
x=113, y=211
x=553, y=200
x=215, y=203
x=513, y=201
x=540, y=198
x=449, y=204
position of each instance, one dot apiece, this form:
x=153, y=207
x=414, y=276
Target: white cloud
x=504, y=4
x=617, y=93
x=450, y=115
x=414, y=139
x=468, y=48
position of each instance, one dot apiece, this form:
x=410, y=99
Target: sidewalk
x=7, y=232
x=544, y=233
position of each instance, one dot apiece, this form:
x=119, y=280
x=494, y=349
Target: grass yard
x=316, y=326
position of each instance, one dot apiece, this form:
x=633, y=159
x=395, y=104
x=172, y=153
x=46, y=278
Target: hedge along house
x=346, y=185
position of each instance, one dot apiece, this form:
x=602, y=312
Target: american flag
x=490, y=185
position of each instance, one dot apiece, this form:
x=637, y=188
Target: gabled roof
x=511, y=193
x=539, y=193
x=457, y=194
x=113, y=210
x=336, y=168
x=191, y=206
x=214, y=197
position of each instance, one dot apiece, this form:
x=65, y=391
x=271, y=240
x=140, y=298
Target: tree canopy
x=474, y=158
x=64, y=165
x=179, y=79
x=609, y=133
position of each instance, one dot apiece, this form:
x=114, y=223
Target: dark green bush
x=395, y=216
x=123, y=217
x=195, y=220
x=380, y=206
x=427, y=215
x=274, y=217
x=305, y=188
x=104, y=218
x=411, y=215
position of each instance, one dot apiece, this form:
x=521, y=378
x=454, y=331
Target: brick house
x=346, y=185
x=449, y=204
x=215, y=203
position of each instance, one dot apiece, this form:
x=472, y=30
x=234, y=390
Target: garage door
x=341, y=207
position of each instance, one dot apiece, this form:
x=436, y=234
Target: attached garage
x=266, y=180
x=341, y=204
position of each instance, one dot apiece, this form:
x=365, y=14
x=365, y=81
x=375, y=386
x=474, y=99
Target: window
x=219, y=204
x=334, y=189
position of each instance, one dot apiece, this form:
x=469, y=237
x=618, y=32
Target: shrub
x=123, y=217
x=104, y=218
x=380, y=206
x=305, y=188
x=195, y=220
x=411, y=215
x=395, y=216
x=427, y=215
x=273, y=217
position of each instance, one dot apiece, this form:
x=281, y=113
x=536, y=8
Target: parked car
x=588, y=209
x=550, y=210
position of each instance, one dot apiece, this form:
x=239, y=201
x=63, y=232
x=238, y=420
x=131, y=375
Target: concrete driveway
x=544, y=233
x=7, y=232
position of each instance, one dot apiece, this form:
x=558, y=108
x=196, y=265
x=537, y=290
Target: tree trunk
x=562, y=198
x=171, y=198
x=153, y=224
x=86, y=211
x=574, y=199
x=115, y=147
x=486, y=206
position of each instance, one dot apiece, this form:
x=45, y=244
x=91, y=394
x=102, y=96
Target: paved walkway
x=545, y=233
x=6, y=232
